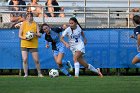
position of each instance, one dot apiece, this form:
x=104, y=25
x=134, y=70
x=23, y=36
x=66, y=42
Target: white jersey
x=75, y=40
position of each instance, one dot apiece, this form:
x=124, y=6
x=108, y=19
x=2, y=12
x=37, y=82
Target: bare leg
x=36, y=60
x=25, y=65
x=76, y=62
x=58, y=59
x=82, y=61
x=62, y=67
x=89, y=66
x=135, y=60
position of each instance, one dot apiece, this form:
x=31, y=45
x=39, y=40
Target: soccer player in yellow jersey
x=29, y=45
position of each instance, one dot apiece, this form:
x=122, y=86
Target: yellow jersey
x=33, y=43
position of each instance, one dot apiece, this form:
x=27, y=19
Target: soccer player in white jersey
x=74, y=33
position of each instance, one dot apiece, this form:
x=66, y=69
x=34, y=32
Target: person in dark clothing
x=52, y=35
x=36, y=8
x=16, y=17
x=136, y=36
x=50, y=9
x=21, y=2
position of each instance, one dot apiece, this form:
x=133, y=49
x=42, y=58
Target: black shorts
x=29, y=49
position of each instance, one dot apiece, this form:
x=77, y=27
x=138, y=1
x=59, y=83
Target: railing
x=89, y=17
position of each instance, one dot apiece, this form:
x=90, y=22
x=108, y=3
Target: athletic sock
x=64, y=71
x=76, y=65
x=64, y=64
x=91, y=68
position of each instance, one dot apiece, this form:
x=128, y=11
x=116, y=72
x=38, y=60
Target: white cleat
x=25, y=76
x=40, y=75
x=99, y=72
x=70, y=66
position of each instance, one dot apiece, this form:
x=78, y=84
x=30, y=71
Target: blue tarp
x=106, y=48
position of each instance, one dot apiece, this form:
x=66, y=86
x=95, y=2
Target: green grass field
x=63, y=84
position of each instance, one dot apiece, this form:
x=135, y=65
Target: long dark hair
x=32, y=0
x=76, y=21
x=136, y=19
x=41, y=29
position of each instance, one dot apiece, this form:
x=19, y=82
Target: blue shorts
x=138, y=55
x=60, y=49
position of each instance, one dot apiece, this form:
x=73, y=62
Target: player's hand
x=132, y=36
x=85, y=41
x=24, y=38
x=47, y=46
x=37, y=34
x=67, y=45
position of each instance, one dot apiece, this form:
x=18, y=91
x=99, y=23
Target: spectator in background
x=21, y=2
x=35, y=8
x=131, y=15
x=50, y=9
x=16, y=17
x=136, y=10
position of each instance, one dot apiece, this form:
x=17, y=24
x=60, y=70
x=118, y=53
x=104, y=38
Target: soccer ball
x=29, y=35
x=53, y=73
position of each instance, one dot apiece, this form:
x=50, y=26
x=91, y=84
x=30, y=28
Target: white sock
x=76, y=65
x=25, y=68
x=91, y=68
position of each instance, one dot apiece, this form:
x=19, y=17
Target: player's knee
x=36, y=61
x=133, y=62
x=25, y=61
x=75, y=59
x=59, y=63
